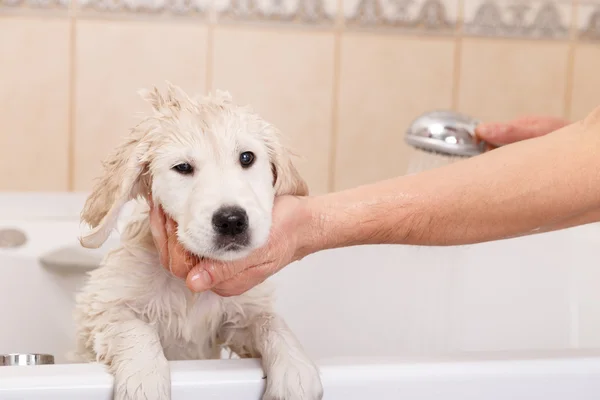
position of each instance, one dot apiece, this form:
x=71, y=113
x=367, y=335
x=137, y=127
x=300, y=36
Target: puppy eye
x=184, y=168
x=246, y=159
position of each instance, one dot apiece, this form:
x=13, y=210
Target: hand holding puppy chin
x=287, y=243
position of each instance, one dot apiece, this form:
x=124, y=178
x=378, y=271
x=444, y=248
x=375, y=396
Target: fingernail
x=200, y=281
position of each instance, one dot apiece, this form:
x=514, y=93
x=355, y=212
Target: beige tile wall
x=113, y=60
x=34, y=104
x=288, y=77
x=385, y=81
x=342, y=85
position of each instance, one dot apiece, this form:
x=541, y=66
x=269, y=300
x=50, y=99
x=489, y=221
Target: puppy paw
x=293, y=380
x=150, y=382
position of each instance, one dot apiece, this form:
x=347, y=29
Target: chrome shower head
x=445, y=132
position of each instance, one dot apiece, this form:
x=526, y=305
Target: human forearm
x=573, y=221
x=530, y=186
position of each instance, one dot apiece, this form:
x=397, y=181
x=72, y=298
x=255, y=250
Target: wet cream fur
x=134, y=316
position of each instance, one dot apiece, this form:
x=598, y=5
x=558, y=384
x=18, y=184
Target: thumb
x=208, y=273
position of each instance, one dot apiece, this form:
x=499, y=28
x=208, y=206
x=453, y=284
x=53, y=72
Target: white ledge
x=77, y=259
x=502, y=376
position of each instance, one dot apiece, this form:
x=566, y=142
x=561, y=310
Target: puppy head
x=213, y=166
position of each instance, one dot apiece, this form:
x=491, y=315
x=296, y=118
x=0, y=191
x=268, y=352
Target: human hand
x=518, y=129
x=287, y=243
x=173, y=257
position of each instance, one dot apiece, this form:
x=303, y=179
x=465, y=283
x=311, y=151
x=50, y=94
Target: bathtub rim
x=335, y=371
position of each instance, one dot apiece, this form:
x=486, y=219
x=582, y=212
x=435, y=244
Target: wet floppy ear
x=286, y=178
x=124, y=179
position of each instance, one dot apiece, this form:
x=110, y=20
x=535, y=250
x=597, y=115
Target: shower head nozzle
x=445, y=132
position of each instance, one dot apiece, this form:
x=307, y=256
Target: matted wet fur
x=133, y=315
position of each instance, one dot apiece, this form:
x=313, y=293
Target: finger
x=536, y=126
x=519, y=129
x=180, y=261
x=244, y=281
x=159, y=234
x=547, y=125
x=499, y=133
x=207, y=274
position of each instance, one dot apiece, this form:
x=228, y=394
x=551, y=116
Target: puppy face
x=212, y=174
x=213, y=166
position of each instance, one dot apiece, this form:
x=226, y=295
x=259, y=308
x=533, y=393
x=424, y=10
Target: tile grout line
x=570, y=73
x=333, y=137
x=458, y=41
x=209, y=57
x=457, y=73
x=71, y=107
x=335, y=93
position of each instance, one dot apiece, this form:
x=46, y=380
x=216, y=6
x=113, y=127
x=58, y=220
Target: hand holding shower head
x=446, y=133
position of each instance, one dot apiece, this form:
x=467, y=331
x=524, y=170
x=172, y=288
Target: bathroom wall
x=342, y=78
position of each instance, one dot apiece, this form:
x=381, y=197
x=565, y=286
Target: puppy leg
x=291, y=375
x=133, y=353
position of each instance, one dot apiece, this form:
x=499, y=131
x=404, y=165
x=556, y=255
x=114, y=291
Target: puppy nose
x=230, y=221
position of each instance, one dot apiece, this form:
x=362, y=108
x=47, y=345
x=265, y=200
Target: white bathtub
x=517, y=319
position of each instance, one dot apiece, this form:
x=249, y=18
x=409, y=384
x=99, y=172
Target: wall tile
x=586, y=76
x=508, y=79
x=518, y=18
x=34, y=104
x=287, y=77
x=386, y=81
x=310, y=12
x=437, y=16
x=588, y=20
x=114, y=60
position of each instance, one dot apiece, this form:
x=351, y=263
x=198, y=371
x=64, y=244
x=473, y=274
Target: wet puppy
x=215, y=168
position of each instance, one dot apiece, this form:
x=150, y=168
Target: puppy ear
x=287, y=179
x=123, y=180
